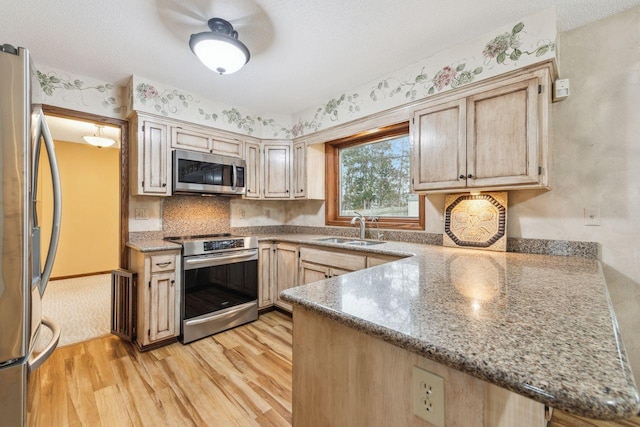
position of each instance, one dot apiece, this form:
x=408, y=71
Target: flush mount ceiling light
x=220, y=49
x=98, y=139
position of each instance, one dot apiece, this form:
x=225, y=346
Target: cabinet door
x=265, y=274
x=310, y=272
x=155, y=160
x=277, y=171
x=503, y=135
x=372, y=261
x=189, y=140
x=299, y=170
x=252, y=173
x=339, y=271
x=286, y=270
x=334, y=260
x=162, y=306
x=226, y=146
x=439, y=147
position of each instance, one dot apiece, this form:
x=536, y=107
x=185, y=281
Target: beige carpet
x=81, y=306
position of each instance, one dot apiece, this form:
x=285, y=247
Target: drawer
x=341, y=260
x=163, y=263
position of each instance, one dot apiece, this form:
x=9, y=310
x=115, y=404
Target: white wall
x=596, y=155
x=253, y=213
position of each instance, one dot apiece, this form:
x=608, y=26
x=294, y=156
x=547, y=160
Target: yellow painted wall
x=90, y=181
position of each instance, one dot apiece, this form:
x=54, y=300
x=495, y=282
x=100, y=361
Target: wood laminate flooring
x=241, y=377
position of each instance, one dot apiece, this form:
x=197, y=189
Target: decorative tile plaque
x=476, y=221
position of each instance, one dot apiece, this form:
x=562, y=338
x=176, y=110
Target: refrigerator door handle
x=57, y=204
x=35, y=362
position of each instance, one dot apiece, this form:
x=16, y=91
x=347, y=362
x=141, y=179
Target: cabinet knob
x=461, y=177
x=469, y=176
x=164, y=184
x=287, y=191
x=248, y=191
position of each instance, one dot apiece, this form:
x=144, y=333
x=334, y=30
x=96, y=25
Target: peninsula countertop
x=541, y=326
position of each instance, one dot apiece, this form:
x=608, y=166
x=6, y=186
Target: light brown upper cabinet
x=277, y=171
x=253, y=157
x=308, y=171
x=150, y=162
x=205, y=140
x=494, y=136
x=280, y=169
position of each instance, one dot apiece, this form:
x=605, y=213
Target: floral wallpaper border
x=153, y=97
x=74, y=92
x=526, y=42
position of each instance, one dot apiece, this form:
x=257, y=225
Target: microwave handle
x=234, y=178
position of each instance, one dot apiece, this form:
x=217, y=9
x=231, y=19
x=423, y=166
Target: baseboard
x=74, y=276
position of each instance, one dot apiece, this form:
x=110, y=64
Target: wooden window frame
x=332, y=181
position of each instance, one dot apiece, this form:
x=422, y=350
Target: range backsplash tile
x=194, y=215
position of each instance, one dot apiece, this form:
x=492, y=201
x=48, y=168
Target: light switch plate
x=142, y=213
x=591, y=216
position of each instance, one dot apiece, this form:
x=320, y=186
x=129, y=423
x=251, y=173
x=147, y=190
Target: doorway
x=94, y=222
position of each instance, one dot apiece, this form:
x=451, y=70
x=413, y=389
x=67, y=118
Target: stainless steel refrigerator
x=23, y=132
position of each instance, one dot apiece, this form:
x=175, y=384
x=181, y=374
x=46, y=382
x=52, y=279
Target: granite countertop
x=541, y=326
x=154, y=245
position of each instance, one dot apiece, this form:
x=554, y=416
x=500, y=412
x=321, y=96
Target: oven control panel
x=218, y=245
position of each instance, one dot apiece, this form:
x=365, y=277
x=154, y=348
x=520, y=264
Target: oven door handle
x=219, y=316
x=214, y=260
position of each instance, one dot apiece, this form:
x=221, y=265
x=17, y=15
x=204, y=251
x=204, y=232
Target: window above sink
x=370, y=173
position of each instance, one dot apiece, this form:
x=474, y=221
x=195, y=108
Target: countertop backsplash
x=209, y=215
x=195, y=215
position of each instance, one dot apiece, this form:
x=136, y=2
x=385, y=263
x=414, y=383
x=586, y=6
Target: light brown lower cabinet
x=286, y=267
x=266, y=271
x=563, y=419
x=373, y=260
x=158, y=296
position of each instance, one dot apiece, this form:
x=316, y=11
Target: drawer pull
x=163, y=264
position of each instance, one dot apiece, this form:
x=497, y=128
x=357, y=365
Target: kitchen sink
x=334, y=240
x=365, y=242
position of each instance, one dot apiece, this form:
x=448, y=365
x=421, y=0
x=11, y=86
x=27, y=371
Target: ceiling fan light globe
x=220, y=54
x=219, y=49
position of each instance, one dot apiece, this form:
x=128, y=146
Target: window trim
x=332, y=173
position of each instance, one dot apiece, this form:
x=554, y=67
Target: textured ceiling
x=303, y=51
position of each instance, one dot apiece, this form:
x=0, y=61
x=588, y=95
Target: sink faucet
x=360, y=218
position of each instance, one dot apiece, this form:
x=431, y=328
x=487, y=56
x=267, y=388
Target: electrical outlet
x=241, y=213
x=267, y=213
x=428, y=396
x=142, y=213
x=591, y=216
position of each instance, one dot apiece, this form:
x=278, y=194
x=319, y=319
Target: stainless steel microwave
x=203, y=173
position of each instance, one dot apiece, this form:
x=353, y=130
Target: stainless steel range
x=219, y=284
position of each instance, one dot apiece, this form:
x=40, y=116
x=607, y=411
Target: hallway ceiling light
x=220, y=49
x=98, y=139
